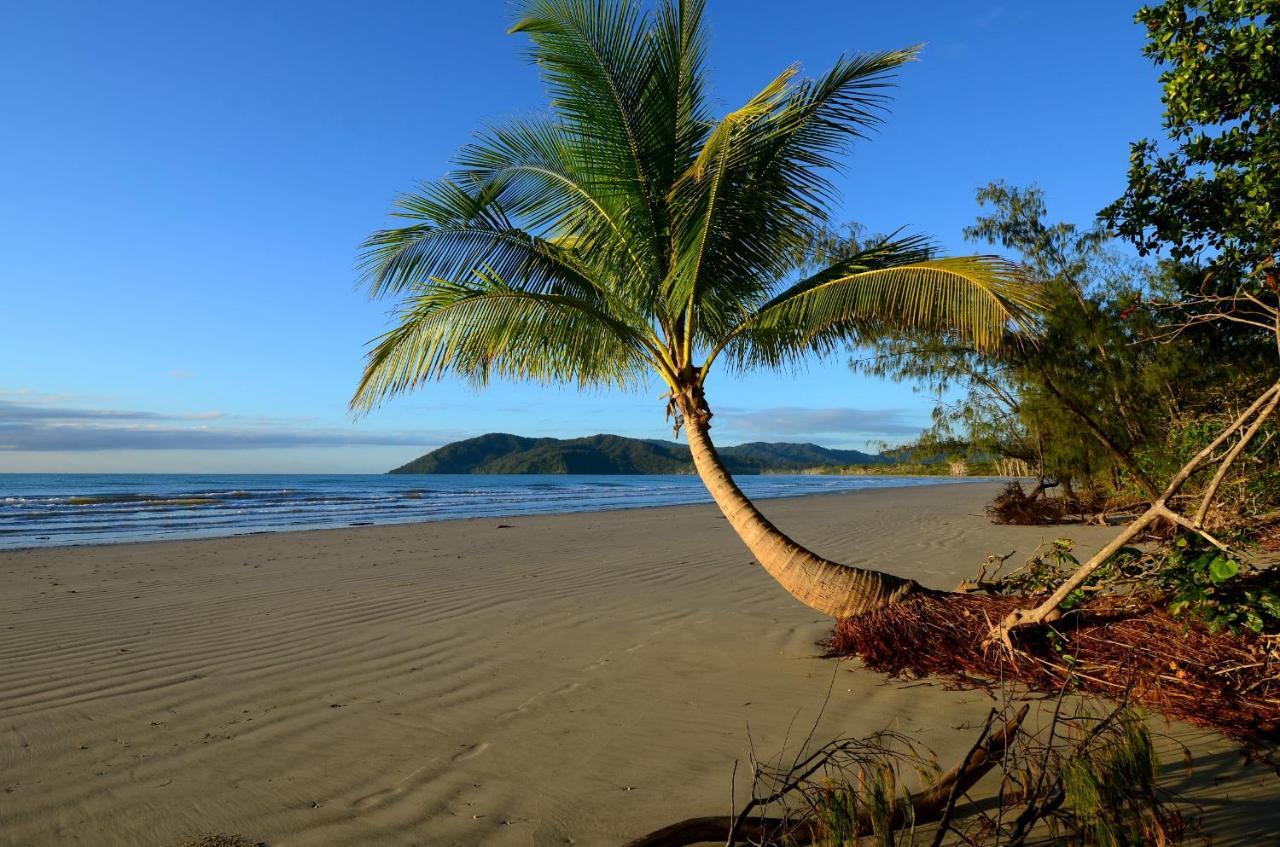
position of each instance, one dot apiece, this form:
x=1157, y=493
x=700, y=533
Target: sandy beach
x=575, y=679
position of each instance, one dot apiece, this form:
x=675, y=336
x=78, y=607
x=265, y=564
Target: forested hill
x=500, y=453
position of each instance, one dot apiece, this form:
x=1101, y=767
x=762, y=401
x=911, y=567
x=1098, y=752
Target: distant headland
x=501, y=453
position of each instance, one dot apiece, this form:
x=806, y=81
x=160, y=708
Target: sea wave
x=49, y=509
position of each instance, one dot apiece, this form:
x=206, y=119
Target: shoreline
x=587, y=676
x=211, y=536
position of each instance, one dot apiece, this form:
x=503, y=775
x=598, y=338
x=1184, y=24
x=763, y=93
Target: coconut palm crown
x=628, y=232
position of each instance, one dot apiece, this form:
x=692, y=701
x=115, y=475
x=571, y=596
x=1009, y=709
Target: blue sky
x=183, y=189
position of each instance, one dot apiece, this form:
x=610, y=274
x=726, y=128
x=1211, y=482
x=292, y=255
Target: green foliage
x=1115, y=393
x=1085, y=780
x=1206, y=584
x=875, y=795
x=1051, y=564
x=1078, y=402
x=1046, y=570
x=1261, y=488
x=1214, y=189
x=1187, y=576
x=628, y=232
x=1110, y=788
x=1252, y=486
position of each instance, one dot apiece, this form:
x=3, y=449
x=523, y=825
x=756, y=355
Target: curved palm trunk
x=837, y=590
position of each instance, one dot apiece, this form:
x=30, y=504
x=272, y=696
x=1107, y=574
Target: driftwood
x=928, y=805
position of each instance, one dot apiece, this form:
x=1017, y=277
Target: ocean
x=48, y=510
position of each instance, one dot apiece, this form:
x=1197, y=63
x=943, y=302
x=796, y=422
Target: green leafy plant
x=873, y=798
x=1210, y=187
x=1204, y=583
x=1046, y=570
x=1051, y=564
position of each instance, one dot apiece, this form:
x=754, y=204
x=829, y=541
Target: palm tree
x=626, y=232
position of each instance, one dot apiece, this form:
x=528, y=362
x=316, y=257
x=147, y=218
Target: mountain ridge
x=504, y=453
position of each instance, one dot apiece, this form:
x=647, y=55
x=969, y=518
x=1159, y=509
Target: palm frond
x=776, y=187
x=596, y=57
x=549, y=185
x=484, y=327
x=977, y=300
x=457, y=234
x=696, y=193
x=803, y=144
x=673, y=108
x=878, y=253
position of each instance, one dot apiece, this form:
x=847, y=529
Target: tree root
x=1109, y=646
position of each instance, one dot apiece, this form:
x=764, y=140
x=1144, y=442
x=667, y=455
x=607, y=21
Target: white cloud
x=795, y=421
x=42, y=426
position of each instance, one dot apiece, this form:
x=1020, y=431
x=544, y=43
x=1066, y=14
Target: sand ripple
x=572, y=679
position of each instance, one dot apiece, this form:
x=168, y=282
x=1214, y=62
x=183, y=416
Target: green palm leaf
x=397, y=259
x=597, y=58
x=485, y=327
x=538, y=170
x=977, y=300
x=770, y=165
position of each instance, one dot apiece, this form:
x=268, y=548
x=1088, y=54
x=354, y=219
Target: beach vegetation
x=1223, y=592
x=1117, y=394
x=1139, y=376
x=1210, y=196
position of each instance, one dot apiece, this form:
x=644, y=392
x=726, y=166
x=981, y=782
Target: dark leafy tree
x=1211, y=192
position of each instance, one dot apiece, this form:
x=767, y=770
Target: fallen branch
x=928, y=805
x=1212, y=490
x=1048, y=611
